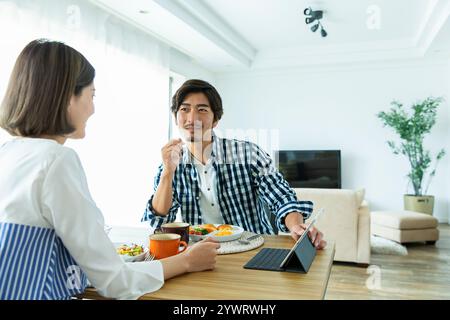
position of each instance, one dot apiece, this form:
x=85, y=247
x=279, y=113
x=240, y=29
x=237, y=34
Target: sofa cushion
x=339, y=222
x=403, y=220
x=404, y=236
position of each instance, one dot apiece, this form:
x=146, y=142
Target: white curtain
x=121, y=151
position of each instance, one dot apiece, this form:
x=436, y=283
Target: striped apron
x=35, y=265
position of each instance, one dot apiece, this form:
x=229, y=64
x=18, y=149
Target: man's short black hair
x=196, y=86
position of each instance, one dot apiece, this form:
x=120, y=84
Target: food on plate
x=133, y=250
x=198, y=230
x=202, y=229
x=209, y=227
x=225, y=227
x=224, y=232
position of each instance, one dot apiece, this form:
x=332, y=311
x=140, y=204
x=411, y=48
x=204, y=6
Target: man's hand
x=171, y=155
x=314, y=234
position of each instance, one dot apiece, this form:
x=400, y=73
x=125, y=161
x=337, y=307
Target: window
x=176, y=80
x=120, y=153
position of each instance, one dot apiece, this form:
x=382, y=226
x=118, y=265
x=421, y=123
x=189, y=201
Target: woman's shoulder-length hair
x=44, y=78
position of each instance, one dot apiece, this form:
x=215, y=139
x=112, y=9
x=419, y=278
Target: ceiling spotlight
x=315, y=16
x=312, y=15
x=310, y=20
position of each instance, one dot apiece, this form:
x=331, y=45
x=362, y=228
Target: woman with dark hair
x=52, y=236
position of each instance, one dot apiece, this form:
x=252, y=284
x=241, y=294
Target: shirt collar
x=188, y=158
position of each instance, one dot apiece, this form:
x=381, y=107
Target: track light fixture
x=313, y=16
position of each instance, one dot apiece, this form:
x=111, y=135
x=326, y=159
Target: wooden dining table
x=230, y=281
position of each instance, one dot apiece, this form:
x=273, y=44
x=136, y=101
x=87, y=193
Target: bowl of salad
x=130, y=252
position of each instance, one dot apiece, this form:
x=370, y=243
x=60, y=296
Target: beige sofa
x=346, y=221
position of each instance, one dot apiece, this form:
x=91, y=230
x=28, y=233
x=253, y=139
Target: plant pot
x=422, y=204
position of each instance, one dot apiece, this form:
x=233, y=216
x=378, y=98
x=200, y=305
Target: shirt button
x=212, y=204
x=209, y=189
x=206, y=172
x=197, y=198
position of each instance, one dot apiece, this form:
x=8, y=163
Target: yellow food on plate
x=225, y=227
x=222, y=233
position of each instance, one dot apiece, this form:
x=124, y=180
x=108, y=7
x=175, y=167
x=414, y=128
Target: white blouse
x=43, y=184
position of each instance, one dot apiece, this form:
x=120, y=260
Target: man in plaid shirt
x=216, y=180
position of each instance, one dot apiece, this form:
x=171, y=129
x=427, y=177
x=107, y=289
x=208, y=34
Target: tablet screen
x=304, y=234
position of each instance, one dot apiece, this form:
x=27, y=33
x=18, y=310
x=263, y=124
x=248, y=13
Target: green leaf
x=412, y=127
x=440, y=155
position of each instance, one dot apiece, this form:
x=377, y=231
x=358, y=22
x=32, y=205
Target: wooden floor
x=423, y=274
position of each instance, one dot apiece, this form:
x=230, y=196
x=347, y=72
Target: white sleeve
x=68, y=206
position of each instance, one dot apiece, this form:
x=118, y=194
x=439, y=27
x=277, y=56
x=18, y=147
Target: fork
x=247, y=241
x=149, y=257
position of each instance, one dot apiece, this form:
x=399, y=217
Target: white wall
x=448, y=141
x=188, y=67
x=336, y=109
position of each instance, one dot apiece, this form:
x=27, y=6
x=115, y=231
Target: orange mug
x=163, y=245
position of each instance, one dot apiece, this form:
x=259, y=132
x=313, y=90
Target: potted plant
x=412, y=129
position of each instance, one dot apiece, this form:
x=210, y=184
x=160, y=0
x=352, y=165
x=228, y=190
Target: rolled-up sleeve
x=150, y=215
x=274, y=190
x=68, y=206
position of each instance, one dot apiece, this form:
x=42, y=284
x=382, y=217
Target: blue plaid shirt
x=246, y=180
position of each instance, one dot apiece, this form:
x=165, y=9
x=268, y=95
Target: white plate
x=196, y=237
x=128, y=258
x=237, y=233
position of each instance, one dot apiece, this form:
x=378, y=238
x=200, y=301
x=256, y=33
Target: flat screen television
x=310, y=168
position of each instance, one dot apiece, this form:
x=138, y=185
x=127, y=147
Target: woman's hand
x=202, y=255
